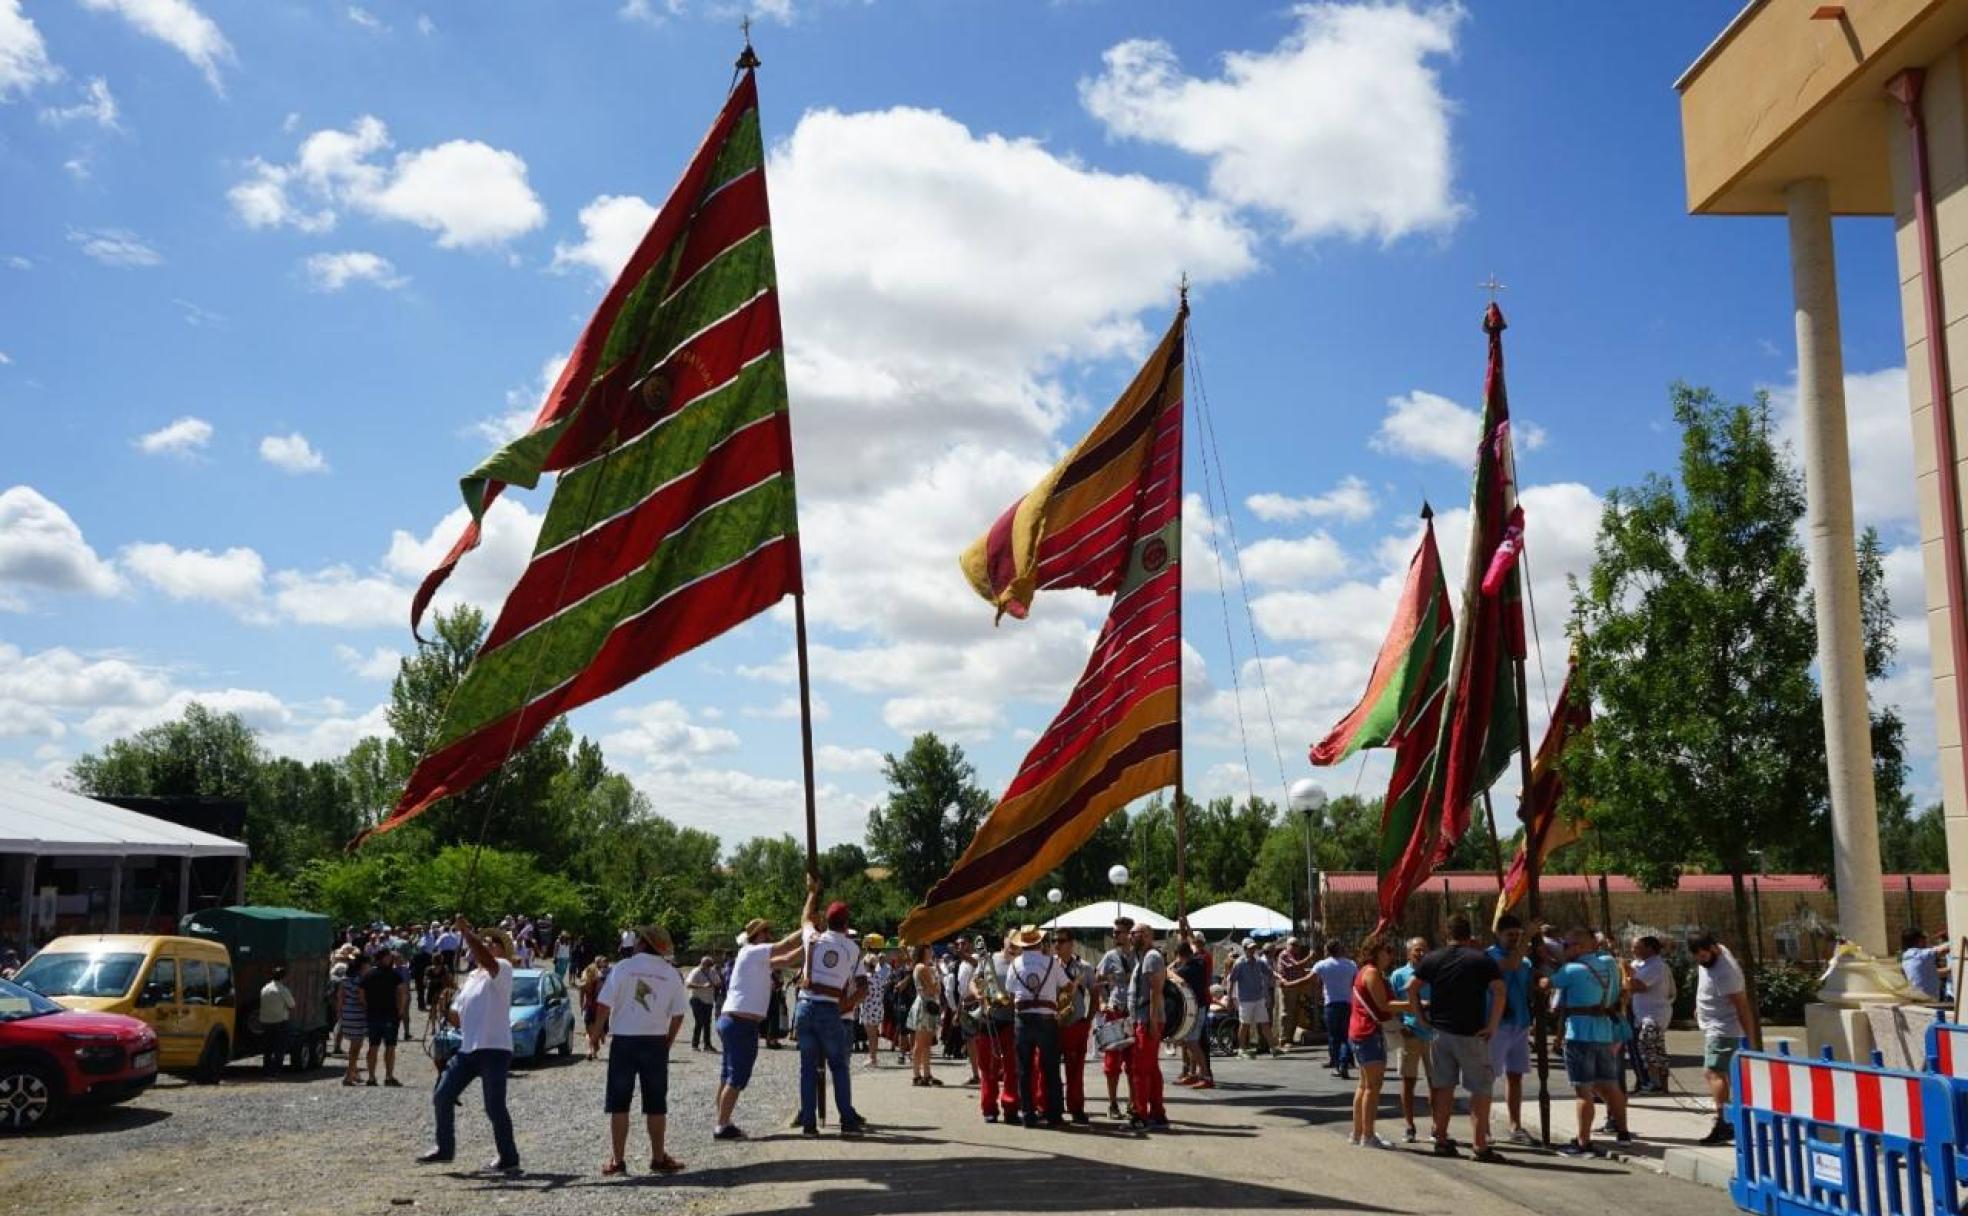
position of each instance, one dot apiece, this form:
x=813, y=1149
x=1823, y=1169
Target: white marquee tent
x=1233, y=915
x=1101, y=914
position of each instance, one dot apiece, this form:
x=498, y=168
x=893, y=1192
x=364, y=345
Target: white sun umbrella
x=1101, y=914
x=1238, y=916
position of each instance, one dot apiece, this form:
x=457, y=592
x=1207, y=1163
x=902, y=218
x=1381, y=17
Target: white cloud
x=1879, y=429
x=42, y=549
x=425, y=25
x=59, y=678
x=334, y=271
x=486, y=574
x=115, y=247
x=832, y=758
x=467, y=192
x=522, y=406
x=98, y=106
x=178, y=24
x=314, y=735
x=963, y=719
x=1427, y=426
x=292, y=453
x=366, y=19
x=739, y=805
x=661, y=737
x=1308, y=559
x=259, y=709
x=787, y=709
x=24, y=62
x=655, y=12
x=179, y=437
x=381, y=663
x=1350, y=500
x=611, y=227
x=234, y=578
x=1342, y=129
x=341, y=597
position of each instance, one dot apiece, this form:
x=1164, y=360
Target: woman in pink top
x=1373, y=1005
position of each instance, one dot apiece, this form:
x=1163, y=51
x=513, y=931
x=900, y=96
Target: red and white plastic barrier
x=1879, y=1102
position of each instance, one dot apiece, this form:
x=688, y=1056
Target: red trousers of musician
x=1073, y=1042
x=1145, y=1074
x=997, y=1070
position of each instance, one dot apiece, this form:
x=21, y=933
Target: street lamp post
x=1118, y=875
x=1308, y=798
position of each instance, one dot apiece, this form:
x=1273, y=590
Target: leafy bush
x=1782, y=991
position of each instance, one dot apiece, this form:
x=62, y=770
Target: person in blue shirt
x=1336, y=972
x=1510, y=1050
x=1922, y=963
x=1415, y=1031
x=1588, y=991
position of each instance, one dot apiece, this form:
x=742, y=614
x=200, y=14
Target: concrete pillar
x=1834, y=567
x=116, y=895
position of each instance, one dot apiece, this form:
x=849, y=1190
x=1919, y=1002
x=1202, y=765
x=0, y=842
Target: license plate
x=144, y=1061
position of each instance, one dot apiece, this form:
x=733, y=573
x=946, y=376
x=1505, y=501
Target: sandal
x=611, y=1168
x=932, y=1081
x=664, y=1164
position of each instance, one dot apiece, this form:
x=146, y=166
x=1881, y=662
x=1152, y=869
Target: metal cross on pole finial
x=1492, y=285
x=747, y=58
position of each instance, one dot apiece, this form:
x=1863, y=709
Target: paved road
x=1272, y=1137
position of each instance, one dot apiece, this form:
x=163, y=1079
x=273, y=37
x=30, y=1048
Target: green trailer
x=260, y=939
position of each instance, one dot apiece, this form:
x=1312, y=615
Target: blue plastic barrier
x=1818, y=1136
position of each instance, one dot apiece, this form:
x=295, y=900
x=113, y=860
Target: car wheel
x=29, y=1094
x=212, y=1061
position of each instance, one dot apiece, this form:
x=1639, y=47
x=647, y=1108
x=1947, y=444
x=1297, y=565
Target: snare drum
x=1112, y=1034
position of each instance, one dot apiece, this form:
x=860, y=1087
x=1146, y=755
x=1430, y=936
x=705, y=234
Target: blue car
x=542, y=1015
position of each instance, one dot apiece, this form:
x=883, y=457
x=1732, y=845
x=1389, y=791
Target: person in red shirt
x=1373, y=1005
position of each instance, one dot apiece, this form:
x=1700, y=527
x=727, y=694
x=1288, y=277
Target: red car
x=51, y=1057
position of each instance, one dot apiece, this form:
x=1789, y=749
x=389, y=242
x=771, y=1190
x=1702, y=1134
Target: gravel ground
x=307, y=1144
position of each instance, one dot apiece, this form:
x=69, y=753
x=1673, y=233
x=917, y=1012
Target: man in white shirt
x=1723, y=1013
x=1651, y=987
x=482, y=1012
x=449, y=943
x=748, y=995
x=964, y=999
x=830, y=981
x=643, y=1001
x=1034, y=980
x=276, y=1014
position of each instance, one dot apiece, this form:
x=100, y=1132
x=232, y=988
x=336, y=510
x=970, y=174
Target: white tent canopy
x=1234, y=914
x=39, y=819
x=1101, y=915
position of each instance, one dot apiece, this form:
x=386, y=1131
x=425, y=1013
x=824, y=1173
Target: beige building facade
x=1809, y=111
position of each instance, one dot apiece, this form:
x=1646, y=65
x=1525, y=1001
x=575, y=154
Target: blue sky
x=273, y=275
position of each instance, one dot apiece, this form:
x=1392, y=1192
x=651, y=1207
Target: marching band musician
x=1111, y=984
x=1076, y=1028
x=995, y=1020
x=1145, y=1072
x=1035, y=981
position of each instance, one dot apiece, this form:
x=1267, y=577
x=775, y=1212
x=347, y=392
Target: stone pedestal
x=1843, y=1028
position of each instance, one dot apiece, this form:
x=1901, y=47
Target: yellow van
x=182, y=986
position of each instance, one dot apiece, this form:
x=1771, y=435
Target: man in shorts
x=1466, y=1001
x=1510, y=1050
x=1723, y=1014
x=643, y=1002
x=1588, y=988
x=1113, y=975
x=1415, y=1036
x=1252, y=984
x=387, y=995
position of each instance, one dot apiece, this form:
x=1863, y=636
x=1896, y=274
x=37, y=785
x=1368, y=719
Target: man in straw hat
x=643, y=1001
x=745, y=1004
x=830, y=980
x=482, y=1012
x=1035, y=980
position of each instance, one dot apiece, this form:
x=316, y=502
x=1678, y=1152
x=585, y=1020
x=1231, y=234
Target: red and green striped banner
x=672, y=518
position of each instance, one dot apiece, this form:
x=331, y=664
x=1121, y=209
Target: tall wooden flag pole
x=1181, y=816
x=1535, y=928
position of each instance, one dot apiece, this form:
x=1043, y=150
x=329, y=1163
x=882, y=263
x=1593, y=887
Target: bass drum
x=1179, y=1011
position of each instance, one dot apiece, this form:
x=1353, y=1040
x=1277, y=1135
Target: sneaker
x=730, y=1131
x=1113, y=1110
x=1608, y=1127
x=1031, y=1122
x=1408, y=1136
x=1519, y=1136
x=1572, y=1148
x=1346, y=1074
x=1206, y=1083
x=1353, y=1138
x=990, y=1116
x=1373, y=1140
x=1158, y=1125
x=508, y=1168
x=1488, y=1155
x=1622, y=1136
x=808, y=1129
x=1445, y=1148
x=854, y=1127
x=433, y=1157
x=1080, y=1116
x=1721, y=1133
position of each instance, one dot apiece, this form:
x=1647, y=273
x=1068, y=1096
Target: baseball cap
x=837, y=908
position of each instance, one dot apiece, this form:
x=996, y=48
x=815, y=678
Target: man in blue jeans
x=1335, y=973
x=482, y=1012
x=830, y=980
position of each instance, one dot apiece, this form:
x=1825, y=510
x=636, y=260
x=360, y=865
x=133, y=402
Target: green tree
x=1696, y=637
x=933, y=809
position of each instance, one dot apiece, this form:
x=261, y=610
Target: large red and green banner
x=672, y=518
x=1107, y=517
x=1481, y=730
